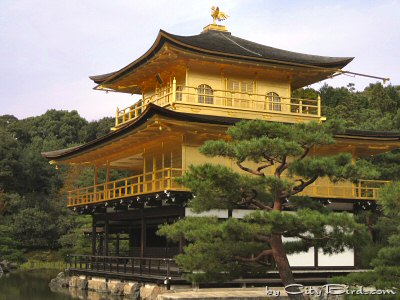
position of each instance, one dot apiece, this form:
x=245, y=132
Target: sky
x=49, y=48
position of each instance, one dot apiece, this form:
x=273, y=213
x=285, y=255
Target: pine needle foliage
x=278, y=163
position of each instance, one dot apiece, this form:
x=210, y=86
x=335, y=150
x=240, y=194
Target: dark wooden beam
x=94, y=236
x=143, y=234
x=153, y=212
x=316, y=257
x=117, y=246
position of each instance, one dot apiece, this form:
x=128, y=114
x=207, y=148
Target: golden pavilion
x=192, y=89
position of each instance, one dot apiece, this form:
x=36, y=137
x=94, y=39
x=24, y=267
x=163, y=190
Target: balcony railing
x=163, y=179
x=117, y=266
x=149, y=182
x=363, y=190
x=171, y=96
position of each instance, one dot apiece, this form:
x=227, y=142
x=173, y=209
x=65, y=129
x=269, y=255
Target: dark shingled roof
x=153, y=109
x=223, y=44
x=226, y=43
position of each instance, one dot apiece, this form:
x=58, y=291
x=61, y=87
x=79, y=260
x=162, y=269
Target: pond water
x=29, y=285
x=34, y=285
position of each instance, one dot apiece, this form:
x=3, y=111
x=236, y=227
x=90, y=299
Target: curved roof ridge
x=224, y=44
x=266, y=52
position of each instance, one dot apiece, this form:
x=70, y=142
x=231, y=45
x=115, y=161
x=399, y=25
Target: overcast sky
x=48, y=48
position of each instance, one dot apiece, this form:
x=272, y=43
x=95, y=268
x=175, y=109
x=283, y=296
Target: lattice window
x=274, y=101
x=240, y=86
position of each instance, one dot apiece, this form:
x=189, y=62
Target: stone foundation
x=151, y=291
x=98, y=285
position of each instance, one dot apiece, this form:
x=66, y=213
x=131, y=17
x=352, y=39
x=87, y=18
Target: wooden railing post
x=319, y=105
x=173, y=90
x=116, y=117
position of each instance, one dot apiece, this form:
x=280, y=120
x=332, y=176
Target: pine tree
x=221, y=250
x=386, y=272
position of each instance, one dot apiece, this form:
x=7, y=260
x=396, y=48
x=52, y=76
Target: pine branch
x=249, y=170
x=256, y=258
x=306, y=151
x=282, y=167
x=250, y=200
x=271, y=163
x=263, y=238
x=299, y=188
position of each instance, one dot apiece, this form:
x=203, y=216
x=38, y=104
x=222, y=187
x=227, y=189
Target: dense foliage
x=226, y=249
x=280, y=156
x=386, y=264
x=32, y=192
x=33, y=214
x=376, y=108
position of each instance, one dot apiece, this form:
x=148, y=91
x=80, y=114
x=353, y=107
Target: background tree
x=278, y=157
x=32, y=198
x=386, y=272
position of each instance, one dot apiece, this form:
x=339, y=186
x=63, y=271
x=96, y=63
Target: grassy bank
x=37, y=264
x=49, y=260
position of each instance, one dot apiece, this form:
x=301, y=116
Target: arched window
x=205, y=94
x=274, y=101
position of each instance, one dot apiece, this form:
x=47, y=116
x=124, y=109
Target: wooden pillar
x=106, y=230
x=143, y=235
x=316, y=257
x=94, y=236
x=117, y=245
x=107, y=171
x=131, y=243
x=96, y=175
x=106, y=195
x=95, y=182
x=166, y=240
x=101, y=245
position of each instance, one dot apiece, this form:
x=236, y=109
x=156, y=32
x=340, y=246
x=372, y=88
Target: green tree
x=74, y=241
x=10, y=166
x=226, y=249
x=32, y=204
x=34, y=228
x=97, y=129
x=388, y=164
x=386, y=272
x=375, y=108
x=8, y=246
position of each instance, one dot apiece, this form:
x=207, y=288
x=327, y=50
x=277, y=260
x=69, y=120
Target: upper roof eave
x=152, y=110
x=226, y=45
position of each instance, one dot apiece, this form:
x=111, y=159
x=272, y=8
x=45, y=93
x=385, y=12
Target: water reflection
x=34, y=285
x=86, y=295
x=29, y=286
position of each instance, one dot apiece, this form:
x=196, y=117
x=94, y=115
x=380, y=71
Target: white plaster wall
x=219, y=213
x=344, y=259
